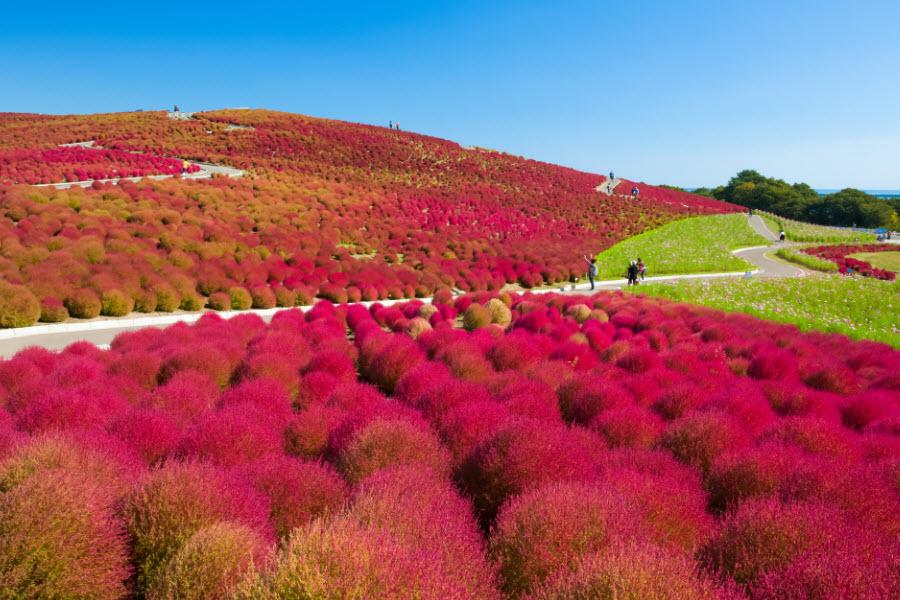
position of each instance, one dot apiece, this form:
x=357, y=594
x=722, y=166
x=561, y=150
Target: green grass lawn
x=694, y=245
x=806, y=260
x=889, y=261
x=861, y=308
x=797, y=231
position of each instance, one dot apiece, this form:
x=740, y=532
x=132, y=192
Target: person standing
x=592, y=269
x=642, y=269
x=611, y=176
x=390, y=124
x=632, y=273
x=781, y=236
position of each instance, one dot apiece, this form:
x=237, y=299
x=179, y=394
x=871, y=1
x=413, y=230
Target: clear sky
x=685, y=93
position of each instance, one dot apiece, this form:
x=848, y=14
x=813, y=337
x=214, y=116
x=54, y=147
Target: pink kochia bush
x=591, y=447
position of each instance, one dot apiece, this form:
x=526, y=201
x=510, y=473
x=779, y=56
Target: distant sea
x=877, y=193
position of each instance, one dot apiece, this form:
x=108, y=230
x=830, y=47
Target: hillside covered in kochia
x=327, y=208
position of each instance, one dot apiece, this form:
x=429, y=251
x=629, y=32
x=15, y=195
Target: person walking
x=390, y=124
x=632, y=273
x=611, y=176
x=781, y=236
x=592, y=269
x=635, y=192
x=642, y=270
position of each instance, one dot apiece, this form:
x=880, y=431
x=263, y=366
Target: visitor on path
x=642, y=269
x=611, y=176
x=781, y=237
x=635, y=192
x=750, y=211
x=632, y=273
x=397, y=125
x=390, y=124
x=592, y=269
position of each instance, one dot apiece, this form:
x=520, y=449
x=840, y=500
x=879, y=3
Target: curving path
x=206, y=171
x=102, y=331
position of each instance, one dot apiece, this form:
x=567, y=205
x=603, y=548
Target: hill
x=327, y=208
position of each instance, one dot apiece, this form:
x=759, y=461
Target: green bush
x=797, y=231
x=18, y=306
x=167, y=298
x=193, y=302
x=115, y=303
x=284, y=297
x=500, y=313
x=53, y=311
x=240, y=298
x=144, y=301
x=219, y=301
x=83, y=304
x=476, y=316
x=263, y=297
x=806, y=260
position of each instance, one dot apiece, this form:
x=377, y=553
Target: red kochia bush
x=186, y=395
x=211, y=563
x=18, y=306
x=178, y=500
x=632, y=570
x=59, y=539
x=201, y=358
x=384, y=443
x=234, y=434
x=698, y=439
x=390, y=362
x=424, y=511
x=151, y=433
x=523, y=455
x=765, y=535
x=298, y=491
x=552, y=527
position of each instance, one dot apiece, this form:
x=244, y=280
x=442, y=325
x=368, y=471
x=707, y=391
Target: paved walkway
x=608, y=186
x=762, y=229
x=206, y=171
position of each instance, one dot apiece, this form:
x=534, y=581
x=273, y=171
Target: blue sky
x=685, y=93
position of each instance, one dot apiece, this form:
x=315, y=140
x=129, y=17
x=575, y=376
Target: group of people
x=395, y=126
x=636, y=268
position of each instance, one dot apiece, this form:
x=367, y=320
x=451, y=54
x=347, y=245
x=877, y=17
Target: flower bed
x=839, y=255
x=56, y=165
x=561, y=447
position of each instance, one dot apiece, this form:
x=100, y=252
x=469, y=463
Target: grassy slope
x=694, y=245
x=797, y=231
x=889, y=261
x=859, y=308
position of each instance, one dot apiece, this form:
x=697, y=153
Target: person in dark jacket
x=632, y=273
x=592, y=269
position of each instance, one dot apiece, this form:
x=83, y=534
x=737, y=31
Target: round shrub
x=205, y=359
x=500, y=313
x=631, y=571
x=96, y=457
x=115, y=303
x=476, y=316
x=384, y=443
x=263, y=297
x=285, y=297
x=308, y=432
x=53, y=311
x=211, y=563
x=523, y=455
x=240, y=298
x=233, y=435
x=425, y=512
x=192, y=302
x=83, y=304
x=151, y=433
x=178, y=500
x=698, y=439
x=341, y=558
x=630, y=427
x=167, y=297
x=144, y=301
x=764, y=535
x=59, y=539
x=18, y=306
x=417, y=326
x=464, y=426
x=551, y=528
x=219, y=301
x=186, y=395
x=298, y=491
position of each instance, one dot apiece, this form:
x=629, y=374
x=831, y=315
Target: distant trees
x=799, y=201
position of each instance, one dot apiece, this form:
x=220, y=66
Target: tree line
x=846, y=208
